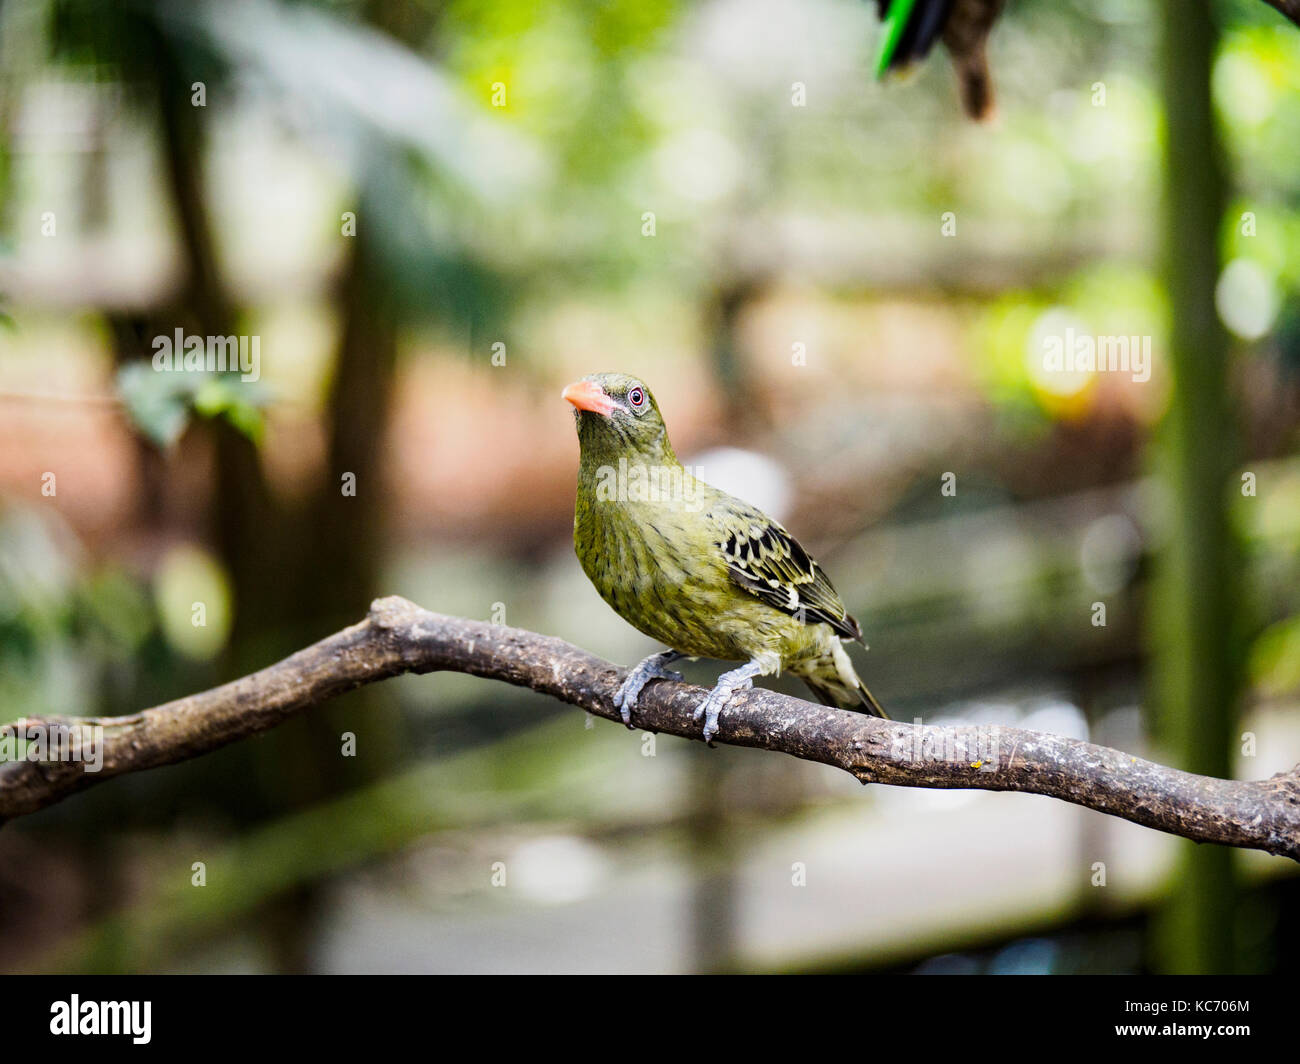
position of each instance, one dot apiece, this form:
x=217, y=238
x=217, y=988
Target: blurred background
x=433, y=216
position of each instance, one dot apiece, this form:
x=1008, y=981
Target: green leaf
x=158, y=403
x=894, y=24
x=246, y=419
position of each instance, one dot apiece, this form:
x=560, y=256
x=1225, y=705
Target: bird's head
x=618, y=417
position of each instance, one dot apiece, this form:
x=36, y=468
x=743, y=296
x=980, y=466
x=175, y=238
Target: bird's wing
x=768, y=562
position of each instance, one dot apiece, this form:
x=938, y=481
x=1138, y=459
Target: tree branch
x=399, y=637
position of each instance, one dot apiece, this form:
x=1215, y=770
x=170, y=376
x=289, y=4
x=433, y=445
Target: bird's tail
x=835, y=683
x=834, y=693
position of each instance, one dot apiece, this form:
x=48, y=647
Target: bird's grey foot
x=653, y=668
x=729, y=683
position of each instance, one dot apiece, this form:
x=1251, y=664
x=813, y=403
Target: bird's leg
x=728, y=684
x=653, y=668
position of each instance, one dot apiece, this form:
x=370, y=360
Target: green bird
x=697, y=569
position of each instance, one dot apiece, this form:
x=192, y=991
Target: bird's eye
x=637, y=398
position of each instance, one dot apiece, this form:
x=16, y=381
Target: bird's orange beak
x=587, y=395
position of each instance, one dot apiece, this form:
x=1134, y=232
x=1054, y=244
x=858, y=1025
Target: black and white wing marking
x=768, y=562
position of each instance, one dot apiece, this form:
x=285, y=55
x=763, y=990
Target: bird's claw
x=712, y=704
x=630, y=689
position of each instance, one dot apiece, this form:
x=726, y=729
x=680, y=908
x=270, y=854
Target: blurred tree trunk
x=713, y=860
x=256, y=543
x=245, y=524
x=348, y=528
x=737, y=285
x=346, y=531
x=1197, y=661
x=295, y=572
x=742, y=415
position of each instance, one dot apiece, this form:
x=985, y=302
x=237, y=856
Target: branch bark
x=399, y=637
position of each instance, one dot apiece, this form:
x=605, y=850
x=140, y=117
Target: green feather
x=894, y=23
